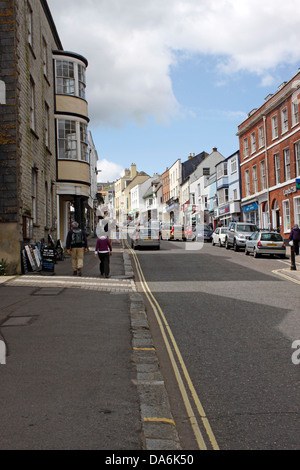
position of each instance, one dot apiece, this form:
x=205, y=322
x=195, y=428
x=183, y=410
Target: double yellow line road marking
x=176, y=358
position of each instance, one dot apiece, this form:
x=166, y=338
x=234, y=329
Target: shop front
x=250, y=213
x=229, y=213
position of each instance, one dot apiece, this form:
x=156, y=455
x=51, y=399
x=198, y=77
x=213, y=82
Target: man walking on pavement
x=76, y=244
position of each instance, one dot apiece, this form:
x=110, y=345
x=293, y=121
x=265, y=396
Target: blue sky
x=176, y=77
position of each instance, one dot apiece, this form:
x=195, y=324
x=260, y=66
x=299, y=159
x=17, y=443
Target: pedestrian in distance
x=76, y=245
x=295, y=238
x=103, y=251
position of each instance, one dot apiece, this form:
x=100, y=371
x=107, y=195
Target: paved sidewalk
x=81, y=368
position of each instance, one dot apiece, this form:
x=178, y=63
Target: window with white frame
x=262, y=175
x=284, y=121
x=45, y=56
x=261, y=138
x=277, y=168
x=81, y=80
x=83, y=142
x=34, y=183
x=32, y=104
x=67, y=139
x=65, y=77
x=274, y=127
x=247, y=183
x=253, y=143
x=295, y=112
x=297, y=210
x=286, y=216
x=246, y=148
x=254, y=179
x=297, y=158
x=233, y=164
x=46, y=205
x=47, y=124
x=29, y=15
x=223, y=196
x=287, y=164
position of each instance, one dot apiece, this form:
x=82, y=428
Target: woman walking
x=104, y=250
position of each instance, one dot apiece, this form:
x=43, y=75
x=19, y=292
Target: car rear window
x=273, y=237
x=246, y=228
x=148, y=233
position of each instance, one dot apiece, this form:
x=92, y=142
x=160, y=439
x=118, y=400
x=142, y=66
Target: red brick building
x=270, y=160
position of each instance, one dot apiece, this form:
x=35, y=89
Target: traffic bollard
x=293, y=258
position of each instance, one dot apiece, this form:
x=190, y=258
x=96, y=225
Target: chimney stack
x=133, y=172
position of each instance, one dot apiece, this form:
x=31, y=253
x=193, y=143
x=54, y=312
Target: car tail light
x=283, y=245
x=259, y=244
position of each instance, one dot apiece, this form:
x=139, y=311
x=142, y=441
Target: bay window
x=72, y=140
x=70, y=78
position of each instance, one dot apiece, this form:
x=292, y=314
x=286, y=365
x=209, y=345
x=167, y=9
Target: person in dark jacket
x=76, y=244
x=103, y=250
x=295, y=237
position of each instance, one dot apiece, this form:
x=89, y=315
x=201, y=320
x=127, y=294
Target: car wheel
x=227, y=245
x=255, y=254
x=235, y=247
x=220, y=243
x=246, y=252
x=212, y=242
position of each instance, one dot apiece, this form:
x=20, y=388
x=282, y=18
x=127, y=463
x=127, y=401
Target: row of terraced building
x=47, y=156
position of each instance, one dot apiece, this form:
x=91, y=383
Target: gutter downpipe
x=267, y=170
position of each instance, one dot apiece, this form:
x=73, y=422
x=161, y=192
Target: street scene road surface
x=234, y=321
x=71, y=380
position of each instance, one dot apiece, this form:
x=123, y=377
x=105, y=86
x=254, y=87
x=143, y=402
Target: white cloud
x=109, y=171
x=131, y=46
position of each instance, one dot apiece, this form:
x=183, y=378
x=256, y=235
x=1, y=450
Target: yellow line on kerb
x=285, y=276
x=160, y=420
x=163, y=324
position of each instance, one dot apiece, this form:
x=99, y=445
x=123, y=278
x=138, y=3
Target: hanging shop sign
x=251, y=207
x=224, y=210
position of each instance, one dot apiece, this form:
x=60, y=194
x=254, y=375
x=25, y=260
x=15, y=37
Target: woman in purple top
x=103, y=250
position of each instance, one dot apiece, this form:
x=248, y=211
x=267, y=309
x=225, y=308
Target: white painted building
x=199, y=189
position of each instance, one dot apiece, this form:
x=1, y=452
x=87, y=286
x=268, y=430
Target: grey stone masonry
x=8, y=111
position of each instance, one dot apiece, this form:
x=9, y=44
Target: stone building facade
x=27, y=133
x=48, y=163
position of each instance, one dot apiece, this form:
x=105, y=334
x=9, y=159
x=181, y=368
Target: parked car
x=238, y=233
x=204, y=233
x=178, y=233
x=219, y=236
x=266, y=243
x=145, y=237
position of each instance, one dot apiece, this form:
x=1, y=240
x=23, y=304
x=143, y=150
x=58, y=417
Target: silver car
x=144, y=237
x=265, y=243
